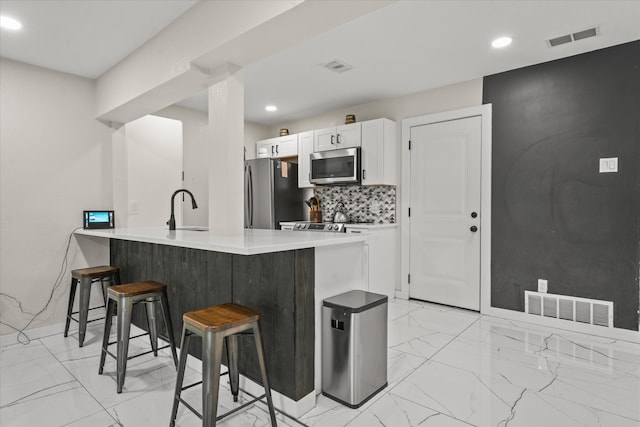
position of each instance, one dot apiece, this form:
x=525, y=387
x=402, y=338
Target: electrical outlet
x=542, y=286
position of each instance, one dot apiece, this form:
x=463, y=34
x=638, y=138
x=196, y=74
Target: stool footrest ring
x=139, y=354
x=130, y=338
x=226, y=414
x=138, y=336
x=88, y=320
x=91, y=308
x=200, y=382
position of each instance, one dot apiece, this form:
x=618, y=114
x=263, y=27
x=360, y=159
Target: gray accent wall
x=555, y=216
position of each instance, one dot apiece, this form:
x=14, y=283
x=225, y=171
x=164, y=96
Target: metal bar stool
x=123, y=297
x=213, y=325
x=86, y=277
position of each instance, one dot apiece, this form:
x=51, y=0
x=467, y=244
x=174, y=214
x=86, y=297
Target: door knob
x=473, y=228
x=474, y=214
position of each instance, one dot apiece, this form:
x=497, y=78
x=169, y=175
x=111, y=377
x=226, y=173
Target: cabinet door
x=372, y=154
x=348, y=136
x=305, y=148
x=382, y=263
x=263, y=149
x=324, y=139
x=378, y=152
x=286, y=146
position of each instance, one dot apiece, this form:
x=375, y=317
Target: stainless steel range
x=320, y=226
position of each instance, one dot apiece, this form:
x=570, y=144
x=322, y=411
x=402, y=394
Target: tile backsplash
x=363, y=204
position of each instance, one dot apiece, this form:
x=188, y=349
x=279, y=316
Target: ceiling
x=406, y=47
x=82, y=37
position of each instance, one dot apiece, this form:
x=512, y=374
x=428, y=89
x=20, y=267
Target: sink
x=192, y=228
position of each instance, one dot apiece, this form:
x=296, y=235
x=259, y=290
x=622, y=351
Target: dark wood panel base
x=280, y=285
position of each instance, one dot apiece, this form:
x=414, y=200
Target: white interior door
x=444, y=260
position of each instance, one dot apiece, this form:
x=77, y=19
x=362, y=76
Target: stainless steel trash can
x=354, y=346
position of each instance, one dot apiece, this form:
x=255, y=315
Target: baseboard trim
x=613, y=333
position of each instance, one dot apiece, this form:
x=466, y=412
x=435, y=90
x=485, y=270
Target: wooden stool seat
x=221, y=317
x=135, y=289
x=121, y=299
x=85, y=277
x=217, y=326
x=102, y=270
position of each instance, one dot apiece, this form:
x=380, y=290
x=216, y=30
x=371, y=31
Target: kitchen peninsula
x=285, y=275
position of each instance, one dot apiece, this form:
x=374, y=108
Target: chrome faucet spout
x=172, y=219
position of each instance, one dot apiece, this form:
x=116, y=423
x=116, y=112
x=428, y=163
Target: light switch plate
x=134, y=207
x=608, y=164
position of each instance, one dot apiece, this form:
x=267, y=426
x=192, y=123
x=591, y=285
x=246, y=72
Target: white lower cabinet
x=380, y=252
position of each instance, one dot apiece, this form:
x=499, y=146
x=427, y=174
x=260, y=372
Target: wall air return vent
x=573, y=37
x=573, y=309
x=337, y=66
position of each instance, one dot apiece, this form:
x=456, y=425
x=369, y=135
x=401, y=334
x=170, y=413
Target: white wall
x=460, y=95
x=154, y=170
x=55, y=161
x=194, y=160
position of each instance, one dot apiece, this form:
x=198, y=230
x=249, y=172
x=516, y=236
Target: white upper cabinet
x=378, y=154
x=305, y=148
x=276, y=148
x=345, y=136
x=263, y=149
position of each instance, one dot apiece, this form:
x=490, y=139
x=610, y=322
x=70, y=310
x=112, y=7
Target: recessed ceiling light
x=271, y=108
x=501, y=42
x=9, y=23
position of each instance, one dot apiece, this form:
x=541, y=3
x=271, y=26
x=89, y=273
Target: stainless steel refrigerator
x=271, y=193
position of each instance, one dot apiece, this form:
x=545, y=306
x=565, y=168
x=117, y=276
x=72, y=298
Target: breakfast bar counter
x=251, y=242
x=285, y=275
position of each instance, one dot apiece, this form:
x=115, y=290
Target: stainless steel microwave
x=336, y=167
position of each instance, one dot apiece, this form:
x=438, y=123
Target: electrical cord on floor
x=56, y=284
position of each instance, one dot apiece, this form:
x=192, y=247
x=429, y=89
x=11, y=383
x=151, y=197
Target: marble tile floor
x=447, y=367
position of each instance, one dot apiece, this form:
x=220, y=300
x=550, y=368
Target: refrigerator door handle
x=250, y=192
x=246, y=195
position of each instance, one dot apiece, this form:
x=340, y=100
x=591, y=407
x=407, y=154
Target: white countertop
x=249, y=243
x=370, y=226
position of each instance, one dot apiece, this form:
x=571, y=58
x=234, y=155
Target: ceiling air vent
x=574, y=37
x=337, y=66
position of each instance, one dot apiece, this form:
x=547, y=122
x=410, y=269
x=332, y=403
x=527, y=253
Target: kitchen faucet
x=172, y=219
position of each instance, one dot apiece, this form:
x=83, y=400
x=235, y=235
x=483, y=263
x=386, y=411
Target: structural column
x=226, y=148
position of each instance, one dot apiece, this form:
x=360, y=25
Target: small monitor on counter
x=99, y=219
